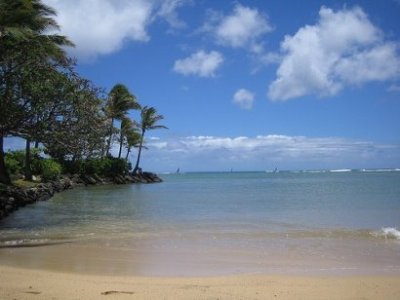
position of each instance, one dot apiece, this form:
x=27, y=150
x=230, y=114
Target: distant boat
x=178, y=171
x=275, y=170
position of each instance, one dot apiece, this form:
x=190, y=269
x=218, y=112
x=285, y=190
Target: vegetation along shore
x=70, y=125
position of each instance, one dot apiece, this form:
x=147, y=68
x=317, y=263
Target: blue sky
x=250, y=85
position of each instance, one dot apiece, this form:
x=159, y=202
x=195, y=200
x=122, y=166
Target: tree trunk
x=36, y=144
x=121, y=138
x=4, y=176
x=111, y=134
x=28, y=171
x=139, y=153
x=127, y=153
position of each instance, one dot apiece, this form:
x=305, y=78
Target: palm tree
x=120, y=101
x=25, y=43
x=148, y=121
x=133, y=138
x=127, y=125
x=28, y=23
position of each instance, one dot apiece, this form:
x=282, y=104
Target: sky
x=250, y=85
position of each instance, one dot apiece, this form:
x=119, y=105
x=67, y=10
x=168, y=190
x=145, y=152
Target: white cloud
x=268, y=151
x=243, y=28
x=244, y=99
x=343, y=48
x=99, y=27
x=201, y=63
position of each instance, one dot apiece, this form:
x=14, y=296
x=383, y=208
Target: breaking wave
x=389, y=233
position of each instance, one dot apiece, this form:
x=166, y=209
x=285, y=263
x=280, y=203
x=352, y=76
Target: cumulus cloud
x=99, y=27
x=291, y=152
x=343, y=48
x=244, y=99
x=242, y=28
x=201, y=63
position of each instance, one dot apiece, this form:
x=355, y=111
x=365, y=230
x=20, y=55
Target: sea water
x=339, y=221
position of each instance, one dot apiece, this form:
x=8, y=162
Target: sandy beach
x=16, y=283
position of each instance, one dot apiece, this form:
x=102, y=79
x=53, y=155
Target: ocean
x=210, y=224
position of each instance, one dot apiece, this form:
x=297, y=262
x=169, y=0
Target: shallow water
x=215, y=224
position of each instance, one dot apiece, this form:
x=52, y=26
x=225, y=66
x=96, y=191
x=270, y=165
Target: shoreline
x=13, y=197
x=21, y=283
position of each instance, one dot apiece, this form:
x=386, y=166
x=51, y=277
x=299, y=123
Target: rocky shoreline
x=12, y=198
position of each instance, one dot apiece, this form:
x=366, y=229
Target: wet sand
x=18, y=283
x=182, y=257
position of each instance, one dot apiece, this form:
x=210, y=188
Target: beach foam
x=24, y=242
x=388, y=233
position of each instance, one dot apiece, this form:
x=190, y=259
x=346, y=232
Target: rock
x=67, y=183
x=139, y=179
x=129, y=178
x=119, y=179
x=98, y=179
x=151, y=177
x=88, y=179
x=11, y=201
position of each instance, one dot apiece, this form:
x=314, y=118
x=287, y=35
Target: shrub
x=37, y=166
x=105, y=166
x=93, y=166
x=15, y=161
x=51, y=170
x=119, y=166
x=108, y=167
x=13, y=165
x=71, y=167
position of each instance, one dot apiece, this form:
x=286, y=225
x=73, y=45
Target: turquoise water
x=216, y=223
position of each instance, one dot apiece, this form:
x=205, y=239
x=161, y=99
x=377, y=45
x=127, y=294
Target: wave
x=37, y=240
x=385, y=234
x=340, y=170
x=315, y=171
x=29, y=243
x=258, y=233
x=348, y=170
x=380, y=170
x=389, y=233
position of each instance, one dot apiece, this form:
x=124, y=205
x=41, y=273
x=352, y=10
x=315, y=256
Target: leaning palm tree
x=119, y=102
x=148, y=121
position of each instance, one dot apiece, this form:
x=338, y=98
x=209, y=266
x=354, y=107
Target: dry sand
x=34, y=284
